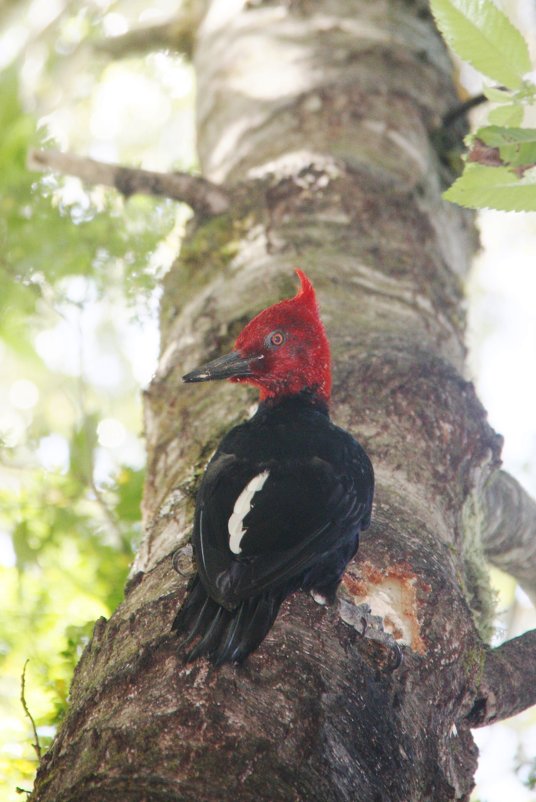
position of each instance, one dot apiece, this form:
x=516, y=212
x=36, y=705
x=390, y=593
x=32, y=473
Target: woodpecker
x=286, y=495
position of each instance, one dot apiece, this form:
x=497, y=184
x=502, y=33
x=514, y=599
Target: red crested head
x=284, y=350
x=292, y=341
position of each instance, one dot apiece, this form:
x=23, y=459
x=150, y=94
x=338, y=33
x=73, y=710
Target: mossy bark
x=318, y=118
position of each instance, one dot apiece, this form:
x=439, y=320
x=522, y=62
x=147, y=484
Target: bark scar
x=392, y=593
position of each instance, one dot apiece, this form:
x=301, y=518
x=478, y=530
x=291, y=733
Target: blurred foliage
x=79, y=275
x=531, y=779
x=500, y=168
x=45, y=238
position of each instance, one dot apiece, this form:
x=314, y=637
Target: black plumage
x=301, y=526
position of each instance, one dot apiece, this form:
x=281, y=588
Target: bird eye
x=276, y=338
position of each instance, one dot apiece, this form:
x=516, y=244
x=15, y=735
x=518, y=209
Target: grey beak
x=223, y=367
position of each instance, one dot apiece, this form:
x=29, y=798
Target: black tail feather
x=210, y=640
x=196, y=613
x=250, y=625
x=225, y=636
x=227, y=642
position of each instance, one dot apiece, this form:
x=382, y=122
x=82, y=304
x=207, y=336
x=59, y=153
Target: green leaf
x=512, y=114
x=499, y=188
x=517, y=146
x=497, y=95
x=484, y=36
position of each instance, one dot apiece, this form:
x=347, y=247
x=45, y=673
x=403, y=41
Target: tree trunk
x=318, y=120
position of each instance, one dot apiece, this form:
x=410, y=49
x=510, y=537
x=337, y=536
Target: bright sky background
x=502, y=359
x=502, y=294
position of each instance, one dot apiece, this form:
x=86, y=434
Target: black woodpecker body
x=286, y=494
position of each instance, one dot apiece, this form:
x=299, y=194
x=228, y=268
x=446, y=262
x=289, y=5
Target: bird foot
x=370, y=626
x=183, y=561
x=319, y=598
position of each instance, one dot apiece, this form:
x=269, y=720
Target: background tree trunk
x=318, y=120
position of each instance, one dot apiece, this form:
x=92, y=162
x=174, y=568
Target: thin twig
x=36, y=745
x=462, y=108
x=204, y=197
x=176, y=34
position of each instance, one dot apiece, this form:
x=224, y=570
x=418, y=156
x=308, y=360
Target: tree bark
x=509, y=535
x=318, y=120
x=204, y=197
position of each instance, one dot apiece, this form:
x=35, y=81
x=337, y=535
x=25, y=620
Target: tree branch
x=177, y=34
x=461, y=109
x=36, y=745
x=509, y=537
x=508, y=684
x=204, y=197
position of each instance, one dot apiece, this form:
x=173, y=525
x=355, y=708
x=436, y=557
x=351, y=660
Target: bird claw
x=183, y=561
x=370, y=626
x=319, y=598
x=398, y=656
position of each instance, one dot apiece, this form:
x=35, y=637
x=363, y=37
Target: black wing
x=301, y=529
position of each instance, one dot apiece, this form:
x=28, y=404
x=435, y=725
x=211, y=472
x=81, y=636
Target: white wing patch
x=241, y=508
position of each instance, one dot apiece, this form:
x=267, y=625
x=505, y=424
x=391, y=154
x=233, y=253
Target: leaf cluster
x=480, y=33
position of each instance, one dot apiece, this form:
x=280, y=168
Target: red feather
x=303, y=362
